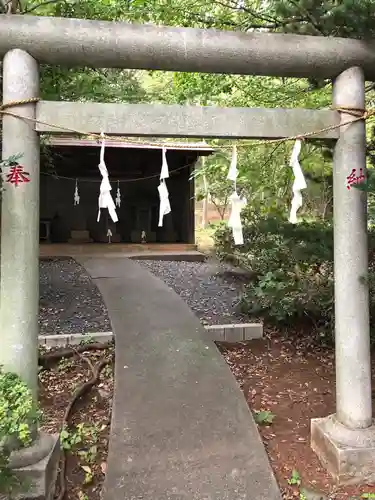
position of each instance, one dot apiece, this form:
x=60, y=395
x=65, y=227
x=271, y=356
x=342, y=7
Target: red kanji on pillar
x=353, y=178
x=17, y=175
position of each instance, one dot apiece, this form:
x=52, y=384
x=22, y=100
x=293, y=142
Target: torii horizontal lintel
x=80, y=42
x=160, y=120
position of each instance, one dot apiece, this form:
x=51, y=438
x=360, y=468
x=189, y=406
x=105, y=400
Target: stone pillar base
x=36, y=468
x=347, y=454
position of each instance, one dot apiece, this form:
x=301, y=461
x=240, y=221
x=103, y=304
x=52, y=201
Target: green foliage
x=265, y=178
x=78, y=436
x=271, y=241
x=291, y=267
x=346, y=18
x=328, y=17
x=264, y=417
x=295, y=478
x=18, y=411
x=211, y=182
x=88, y=84
x=83, y=441
x=12, y=160
x=368, y=186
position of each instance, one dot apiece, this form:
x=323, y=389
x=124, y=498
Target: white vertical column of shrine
x=345, y=442
x=19, y=286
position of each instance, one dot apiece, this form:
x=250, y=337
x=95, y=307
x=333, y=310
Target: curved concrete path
x=181, y=428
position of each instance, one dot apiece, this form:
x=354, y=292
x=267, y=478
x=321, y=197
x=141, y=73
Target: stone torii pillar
x=345, y=442
x=19, y=284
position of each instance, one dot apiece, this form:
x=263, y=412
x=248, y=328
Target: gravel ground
x=210, y=289
x=69, y=301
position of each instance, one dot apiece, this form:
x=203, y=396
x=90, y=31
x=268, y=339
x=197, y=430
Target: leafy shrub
x=18, y=412
x=291, y=267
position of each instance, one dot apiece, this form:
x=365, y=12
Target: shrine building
x=134, y=168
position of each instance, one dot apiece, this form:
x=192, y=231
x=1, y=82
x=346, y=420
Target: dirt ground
x=288, y=377
x=294, y=380
x=85, y=439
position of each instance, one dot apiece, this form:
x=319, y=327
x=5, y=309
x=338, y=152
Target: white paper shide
x=165, y=206
x=299, y=183
x=118, y=195
x=76, y=194
x=105, y=198
x=237, y=203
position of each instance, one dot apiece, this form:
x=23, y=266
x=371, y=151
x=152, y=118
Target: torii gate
x=345, y=442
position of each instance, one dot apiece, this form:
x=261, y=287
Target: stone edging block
x=219, y=333
x=64, y=340
x=236, y=332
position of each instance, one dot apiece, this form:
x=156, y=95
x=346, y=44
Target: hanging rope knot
x=21, y=102
x=356, y=112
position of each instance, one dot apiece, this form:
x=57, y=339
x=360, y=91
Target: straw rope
x=356, y=116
